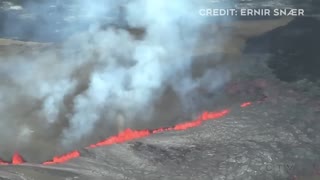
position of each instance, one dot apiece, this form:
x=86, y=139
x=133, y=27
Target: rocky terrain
x=273, y=139
x=274, y=65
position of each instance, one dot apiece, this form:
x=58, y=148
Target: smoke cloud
x=104, y=75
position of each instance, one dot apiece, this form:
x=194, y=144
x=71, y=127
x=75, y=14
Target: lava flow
x=63, y=158
x=246, y=104
x=128, y=135
x=17, y=159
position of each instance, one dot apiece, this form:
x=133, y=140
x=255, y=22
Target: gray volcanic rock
x=259, y=142
x=276, y=138
x=293, y=47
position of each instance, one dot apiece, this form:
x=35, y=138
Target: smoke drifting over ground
x=104, y=78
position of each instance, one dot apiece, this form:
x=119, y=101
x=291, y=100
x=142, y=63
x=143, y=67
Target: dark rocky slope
x=294, y=49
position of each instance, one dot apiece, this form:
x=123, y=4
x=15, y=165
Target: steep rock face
x=294, y=49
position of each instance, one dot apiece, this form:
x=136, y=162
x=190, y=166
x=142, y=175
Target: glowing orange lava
x=17, y=159
x=63, y=158
x=214, y=115
x=246, y=104
x=123, y=136
x=128, y=135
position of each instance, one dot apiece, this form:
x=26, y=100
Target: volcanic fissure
x=128, y=135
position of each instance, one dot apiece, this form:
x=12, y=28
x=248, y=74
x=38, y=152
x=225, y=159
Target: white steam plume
x=171, y=31
x=101, y=72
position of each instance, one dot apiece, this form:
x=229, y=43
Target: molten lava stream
x=17, y=159
x=128, y=135
x=63, y=158
x=246, y=104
